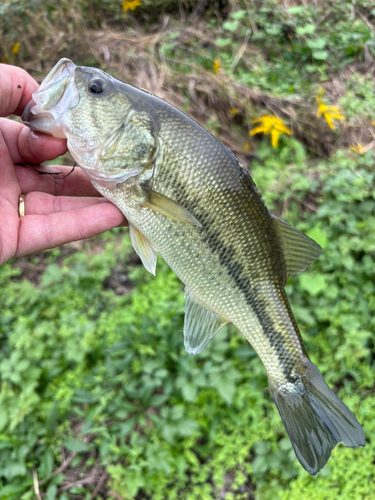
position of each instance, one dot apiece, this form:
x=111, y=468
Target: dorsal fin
x=299, y=250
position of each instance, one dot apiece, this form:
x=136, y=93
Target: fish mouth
x=56, y=94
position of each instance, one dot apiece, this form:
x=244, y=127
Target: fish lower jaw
x=110, y=179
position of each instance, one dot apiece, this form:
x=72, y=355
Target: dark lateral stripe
x=228, y=259
x=236, y=271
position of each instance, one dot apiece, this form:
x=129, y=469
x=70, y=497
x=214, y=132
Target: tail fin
x=316, y=420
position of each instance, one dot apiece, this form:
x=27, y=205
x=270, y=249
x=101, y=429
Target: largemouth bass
x=187, y=197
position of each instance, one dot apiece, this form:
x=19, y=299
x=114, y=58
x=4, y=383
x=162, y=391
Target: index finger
x=76, y=183
x=16, y=89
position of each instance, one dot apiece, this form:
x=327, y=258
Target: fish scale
x=229, y=251
x=188, y=198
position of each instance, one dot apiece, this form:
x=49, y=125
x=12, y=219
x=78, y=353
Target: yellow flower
x=358, y=148
x=233, y=111
x=330, y=113
x=16, y=48
x=373, y=123
x=270, y=125
x=216, y=66
x=247, y=146
x=130, y=4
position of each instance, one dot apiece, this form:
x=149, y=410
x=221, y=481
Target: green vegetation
x=98, y=396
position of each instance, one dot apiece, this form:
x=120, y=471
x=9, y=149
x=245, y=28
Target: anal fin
x=144, y=249
x=201, y=324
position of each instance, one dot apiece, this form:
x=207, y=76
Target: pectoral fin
x=164, y=205
x=201, y=324
x=144, y=249
x=299, y=250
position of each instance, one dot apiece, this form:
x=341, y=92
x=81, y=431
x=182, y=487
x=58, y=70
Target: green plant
x=95, y=382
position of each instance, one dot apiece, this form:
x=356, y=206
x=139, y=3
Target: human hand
x=58, y=211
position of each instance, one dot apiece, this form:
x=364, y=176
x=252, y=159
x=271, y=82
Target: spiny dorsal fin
x=164, y=205
x=201, y=324
x=299, y=250
x=144, y=249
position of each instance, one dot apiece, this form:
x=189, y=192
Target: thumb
x=16, y=89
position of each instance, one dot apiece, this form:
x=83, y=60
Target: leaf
x=51, y=492
x=52, y=275
x=308, y=29
x=318, y=235
x=262, y=447
x=231, y=25
x=159, y=399
x=191, y=457
x=320, y=55
x=15, y=469
x=273, y=30
x=127, y=426
x=188, y=427
x=51, y=419
x=259, y=464
x=3, y=418
x=240, y=14
x=226, y=388
x=332, y=292
x=223, y=42
x=168, y=432
x=75, y=445
x=313, y=284
x=133, y=482
x=13, y=491
x=47, y=462
x=295, y=10
x=298, y=148
x=317, y=43
x=189, y=391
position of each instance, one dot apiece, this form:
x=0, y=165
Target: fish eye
x=97, y=86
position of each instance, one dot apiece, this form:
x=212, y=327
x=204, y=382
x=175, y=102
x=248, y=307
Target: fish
x=188, y=198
